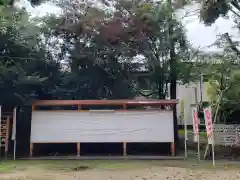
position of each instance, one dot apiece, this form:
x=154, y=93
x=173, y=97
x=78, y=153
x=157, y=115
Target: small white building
x=188, y=94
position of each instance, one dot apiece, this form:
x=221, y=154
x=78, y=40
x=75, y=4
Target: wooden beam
x=104, y=102
x=33, y=107
x=173, y=148
x=106, y=110
x=78, y=149
x=79, y=107
x=124, y=149
x=31, y=150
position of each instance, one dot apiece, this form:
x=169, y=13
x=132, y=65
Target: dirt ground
x=117, y=171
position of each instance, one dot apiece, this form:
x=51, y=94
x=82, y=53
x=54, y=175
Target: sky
x=202, y=36
x=198, y=34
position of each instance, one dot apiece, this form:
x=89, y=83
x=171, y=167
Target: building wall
x=189, y=94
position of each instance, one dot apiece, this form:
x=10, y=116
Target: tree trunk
x=173, y=80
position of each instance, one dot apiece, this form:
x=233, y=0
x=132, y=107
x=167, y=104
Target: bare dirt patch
x=121, y=171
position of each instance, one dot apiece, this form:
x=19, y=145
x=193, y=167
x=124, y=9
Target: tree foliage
x=91, y=53
x=223, y=88
x=211, y=10
x=118, y=37
x=226, y=71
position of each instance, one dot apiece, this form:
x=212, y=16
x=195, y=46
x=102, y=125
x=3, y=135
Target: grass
x=202, y=135
x=69, y=165
x=190, y=132
x=6, y=167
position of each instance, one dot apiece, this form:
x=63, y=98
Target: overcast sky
x=198, y=34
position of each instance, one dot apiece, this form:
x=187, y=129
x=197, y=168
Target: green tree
x=211, y=10
x=107, y=43
x=23, y=56
x=223, y=88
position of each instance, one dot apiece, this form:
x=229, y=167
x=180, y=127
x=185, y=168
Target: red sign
x=195, y=124
x=208, y=121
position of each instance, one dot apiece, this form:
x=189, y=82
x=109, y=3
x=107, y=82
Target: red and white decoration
x=195, y=124
x=209, y=125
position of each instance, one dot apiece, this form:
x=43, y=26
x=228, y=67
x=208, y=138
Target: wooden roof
x=104, y=102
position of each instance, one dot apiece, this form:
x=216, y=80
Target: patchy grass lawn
x=118, y=170
x=202, y=135
x=71, y=165
x=190, y=132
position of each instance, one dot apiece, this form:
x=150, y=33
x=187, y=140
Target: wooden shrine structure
x=102, y=121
